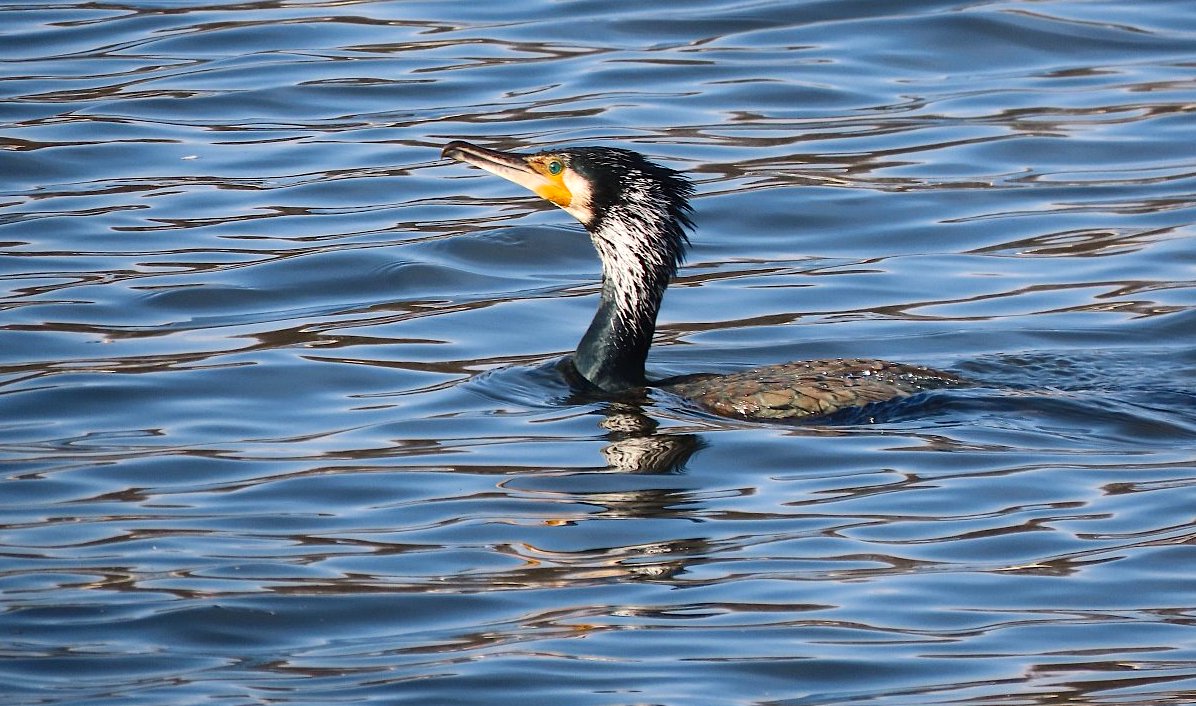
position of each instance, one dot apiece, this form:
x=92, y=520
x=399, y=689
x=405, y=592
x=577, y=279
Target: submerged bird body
x=807, y=388
x=637, y=214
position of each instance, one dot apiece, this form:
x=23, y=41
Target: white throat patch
x=580, y=197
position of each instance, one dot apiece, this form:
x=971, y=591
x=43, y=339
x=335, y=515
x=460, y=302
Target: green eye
x=555, y=167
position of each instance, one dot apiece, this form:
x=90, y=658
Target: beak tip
x=452, y=149
x=503, y=164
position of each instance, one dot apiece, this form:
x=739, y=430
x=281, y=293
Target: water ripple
x=280, y=414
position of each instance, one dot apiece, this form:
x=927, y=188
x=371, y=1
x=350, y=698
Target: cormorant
x=637, y=213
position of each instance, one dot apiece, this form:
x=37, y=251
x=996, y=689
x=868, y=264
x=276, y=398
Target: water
x=280, y=422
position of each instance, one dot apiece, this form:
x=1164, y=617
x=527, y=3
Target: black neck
x=612, y=353
x=639, y=213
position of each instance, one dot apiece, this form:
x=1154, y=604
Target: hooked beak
x=517, y=168
x=504, y=164
x=509, y=166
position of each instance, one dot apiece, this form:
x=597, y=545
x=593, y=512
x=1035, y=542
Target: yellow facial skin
x=552, y=186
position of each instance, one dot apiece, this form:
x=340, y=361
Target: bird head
x=592, y=184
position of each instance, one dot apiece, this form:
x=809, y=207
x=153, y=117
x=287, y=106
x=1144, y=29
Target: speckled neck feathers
x=640, y=213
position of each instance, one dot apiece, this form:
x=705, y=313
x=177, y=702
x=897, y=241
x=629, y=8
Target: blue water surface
x=280, y=417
